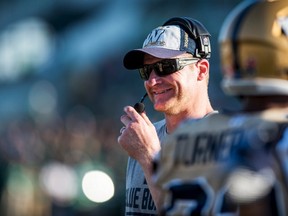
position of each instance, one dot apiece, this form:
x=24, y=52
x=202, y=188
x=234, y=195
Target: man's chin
x=160, y=107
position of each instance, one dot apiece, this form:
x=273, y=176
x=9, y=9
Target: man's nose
x=153, y=78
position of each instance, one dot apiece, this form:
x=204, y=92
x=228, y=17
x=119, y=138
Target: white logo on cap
x=153, y=37
x=168, y=37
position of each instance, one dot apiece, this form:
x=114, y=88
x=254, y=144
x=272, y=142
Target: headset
x=197, y=32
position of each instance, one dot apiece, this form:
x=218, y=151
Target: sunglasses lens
x=161, y=68
x=166, y=67
x=145, y=72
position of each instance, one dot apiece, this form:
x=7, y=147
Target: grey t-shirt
x=138, y=198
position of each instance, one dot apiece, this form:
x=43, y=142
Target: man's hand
x=138, y=136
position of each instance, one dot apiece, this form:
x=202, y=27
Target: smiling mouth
x=161, y=92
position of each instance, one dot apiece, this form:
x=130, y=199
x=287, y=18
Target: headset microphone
x=140, y=107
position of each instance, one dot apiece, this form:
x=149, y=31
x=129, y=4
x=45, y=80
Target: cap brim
x=134, y=58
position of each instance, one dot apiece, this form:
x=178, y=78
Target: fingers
x=125, y=119
x=122, y=129
x=131, y=116
x=135, y=116
x=146, y=119
x=131, y=113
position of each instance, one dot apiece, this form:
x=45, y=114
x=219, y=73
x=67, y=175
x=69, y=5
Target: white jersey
x=219, y=164
x=138, y=197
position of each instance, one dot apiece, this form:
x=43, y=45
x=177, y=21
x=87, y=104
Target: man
x=174, y=66
x=237, y=163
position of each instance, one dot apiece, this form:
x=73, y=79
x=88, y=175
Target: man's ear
x=203, y=66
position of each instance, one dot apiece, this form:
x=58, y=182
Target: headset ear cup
x=196, y=31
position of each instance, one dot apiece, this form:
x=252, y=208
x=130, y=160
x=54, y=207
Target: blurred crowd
x=75, y=140
x=32, y=143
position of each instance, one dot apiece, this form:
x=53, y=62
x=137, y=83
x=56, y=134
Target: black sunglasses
x=165, y=67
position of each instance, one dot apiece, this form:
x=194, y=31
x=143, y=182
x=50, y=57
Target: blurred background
x=62, y=91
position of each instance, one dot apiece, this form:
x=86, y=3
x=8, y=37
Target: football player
x=236, y=163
